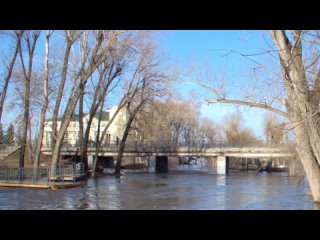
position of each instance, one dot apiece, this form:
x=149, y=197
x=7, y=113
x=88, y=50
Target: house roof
x=104, y=117
x=75, y=117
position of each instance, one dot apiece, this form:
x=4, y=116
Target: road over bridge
x=137, y=149
x=167, y=149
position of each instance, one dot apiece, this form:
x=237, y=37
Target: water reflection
x=221, y=180
x=182, y=188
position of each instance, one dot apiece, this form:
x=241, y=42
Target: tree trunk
x=95, y=158
x=31, y=44
x=29, y=144
x=98, y=100
x=299, y=107
x=295, y=168
x=308, y=161
x=60, y=93
x=44, y=107
x=82, y=141
x=84, y=73
x=123, y=143
x=99, y=143
x=66, y=120
x=125, y=134
x=25, y=124
x=63, y=128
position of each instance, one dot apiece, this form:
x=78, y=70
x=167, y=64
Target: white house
x=114, y=131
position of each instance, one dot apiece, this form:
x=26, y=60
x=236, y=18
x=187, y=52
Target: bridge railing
x=66, y=172
x=167, y=145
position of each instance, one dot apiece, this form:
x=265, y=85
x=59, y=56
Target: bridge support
x=105, y=162
x=90, y=161
x=222, y=165
x=158, y=164
x=152, y=164
x=161, y=164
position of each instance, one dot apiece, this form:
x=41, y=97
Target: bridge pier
x=151, y=164
x=105, y=162
x=90, y=161
x=161, y=164
x=222, y=165
x=158, y=164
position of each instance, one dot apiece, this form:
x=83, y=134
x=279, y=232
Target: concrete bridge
x=159, y=151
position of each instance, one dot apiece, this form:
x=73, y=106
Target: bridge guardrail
x=135, y=144
x=165, y=146
x=205, y=144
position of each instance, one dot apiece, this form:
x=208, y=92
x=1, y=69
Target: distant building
x=114, y=131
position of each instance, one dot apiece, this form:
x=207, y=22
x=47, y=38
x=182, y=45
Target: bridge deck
x=177, y=151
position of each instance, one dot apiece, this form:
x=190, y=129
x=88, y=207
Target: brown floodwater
x=184, y=187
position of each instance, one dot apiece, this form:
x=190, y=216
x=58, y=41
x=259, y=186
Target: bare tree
x=30, y=38
x=101, y=135
x=45, y=104
x=70, y=38
x=235, y=130
x=108, y=72
x=180, y=115
x=274, y=130
x=301, y=82
x=3, y=93
x=91, y=58
x=95, y=159
x=209, y=131
x=146, y=82
x=172, y=121
x=153, y=122
x=133, y=107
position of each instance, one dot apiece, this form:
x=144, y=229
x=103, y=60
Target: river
x=184, y=187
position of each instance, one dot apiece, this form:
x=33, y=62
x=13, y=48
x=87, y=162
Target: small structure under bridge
x=158, y=152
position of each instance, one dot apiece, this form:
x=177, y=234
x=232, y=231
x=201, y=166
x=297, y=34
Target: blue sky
x=202, y=48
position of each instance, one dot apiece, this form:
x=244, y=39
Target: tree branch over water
x=250, y=104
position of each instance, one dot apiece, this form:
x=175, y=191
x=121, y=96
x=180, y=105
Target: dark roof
x=75, y=117
x=105, y=117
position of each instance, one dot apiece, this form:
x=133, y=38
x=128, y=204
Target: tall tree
x=30, y=39
x=108, y=72
x=101, y=135
x=146, y=82
x=92, y=54
x=209, y=131
x=70, y=39
x=45, y=104
x=235, y=130
x=301, y=82
x=274, y=130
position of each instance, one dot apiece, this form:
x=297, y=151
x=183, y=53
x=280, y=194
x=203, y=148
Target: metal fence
x=135, y=144
x=45, y=175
